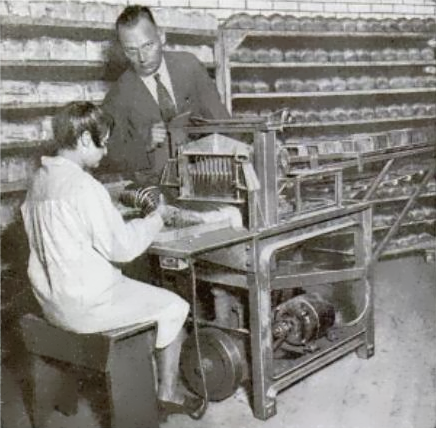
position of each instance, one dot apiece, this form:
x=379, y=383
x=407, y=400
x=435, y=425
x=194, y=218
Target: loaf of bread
x=430, y=81
x=334, y=25
x=312, y=116
x=297, y=85
x=63, y=49
x=353, y=83
x=349, y=25
x=376, y=55
x=234, y=86
x=389, y=25
x=245, y=55
x=419, y=109
x=298, y=116
x=381, y=112
x=307, y=24
x=354, y=114
x=277, y=22
x=276, y=55
x=292, y=23
x=427, y=54
x=20, y=131
x=430, y=110
x=96, y=90
x=262, y=55
x=292, y=55
x=99, y=50
x=261, y=23
x=60, y=92
x=414, y=54
x=405, y=25
x=12, y=49
x=362, y=25
x=363, y=55
x=367, y=113
x=389, y=54
x=339, y=115
x=246, y=86
x=402, y=54
x=400, y=82
x=37, y=49
x=307, y=55
x=282, y=85
x=240, y=20
x=382, y=82
x=311, y=85
x=18, y=92
x=260, y=86
x=336, y=56
x=366, y=83
x=375, y=25
x=418, y=25
x=350, y=55
x=430, y=25
x=339, y=84
x=319, y=24
x=76, y=12
x=394, y=110
x=406, y=110
x=266, y=112
x=321, y=55
x=326, y=116
x=419, y=82
x=325, y=85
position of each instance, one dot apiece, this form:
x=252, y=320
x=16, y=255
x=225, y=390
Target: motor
x=299, y=321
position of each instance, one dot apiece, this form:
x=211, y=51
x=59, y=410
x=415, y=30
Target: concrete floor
x=394, y=389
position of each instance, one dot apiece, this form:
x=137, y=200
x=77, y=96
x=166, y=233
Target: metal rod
x=394, y=228
x=378, y=180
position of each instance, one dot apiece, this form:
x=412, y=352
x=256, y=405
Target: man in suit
x=157, y=86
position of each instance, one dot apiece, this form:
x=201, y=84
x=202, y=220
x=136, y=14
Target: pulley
x=221, y=360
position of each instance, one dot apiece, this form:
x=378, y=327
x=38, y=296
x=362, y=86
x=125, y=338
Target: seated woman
x=75, y=232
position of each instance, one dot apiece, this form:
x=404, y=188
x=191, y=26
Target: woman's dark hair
x=76, y=118
x=132, y=14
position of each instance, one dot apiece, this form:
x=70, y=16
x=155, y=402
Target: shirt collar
x=58, y=161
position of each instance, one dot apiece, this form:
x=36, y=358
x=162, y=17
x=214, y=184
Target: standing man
x=157, y=86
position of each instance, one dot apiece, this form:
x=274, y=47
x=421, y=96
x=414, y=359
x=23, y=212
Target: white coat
x=74, y=233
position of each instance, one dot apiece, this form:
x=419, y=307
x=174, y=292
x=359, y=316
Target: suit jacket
x=135, y=110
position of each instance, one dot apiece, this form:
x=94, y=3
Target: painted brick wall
x=208, y=13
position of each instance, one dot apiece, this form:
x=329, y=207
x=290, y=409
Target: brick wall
x=208, y=13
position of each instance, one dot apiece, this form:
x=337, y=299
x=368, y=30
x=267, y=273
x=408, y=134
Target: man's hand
x=158, y=134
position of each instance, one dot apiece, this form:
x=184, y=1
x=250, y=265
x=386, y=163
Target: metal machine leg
x=264, y=403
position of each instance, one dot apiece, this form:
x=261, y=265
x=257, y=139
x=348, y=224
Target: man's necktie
x=166, y=104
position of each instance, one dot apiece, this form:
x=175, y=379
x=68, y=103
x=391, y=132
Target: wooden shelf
x=402, y=198
x=14, y=186
x=21, y=21
x=40, y=106
x=20, y=145
x=52, y=63
x=413, y=248
x=312, y=34
x=65, y=64
x=408, y=224
x=264, y=95
x=359, y=122
x=285, y=64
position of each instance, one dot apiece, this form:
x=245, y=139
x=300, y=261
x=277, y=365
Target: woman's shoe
x=191, y=406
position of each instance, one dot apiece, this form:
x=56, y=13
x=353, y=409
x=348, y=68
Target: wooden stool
x=123, y=356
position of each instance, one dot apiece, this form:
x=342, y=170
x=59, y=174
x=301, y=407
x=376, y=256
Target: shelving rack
x=23, y=28
x=231, y=67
